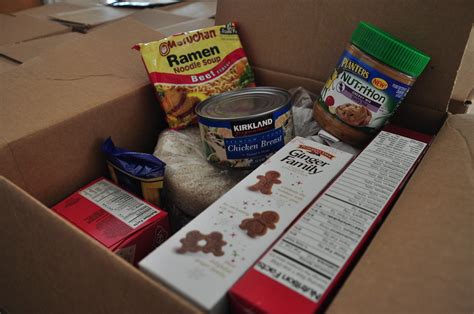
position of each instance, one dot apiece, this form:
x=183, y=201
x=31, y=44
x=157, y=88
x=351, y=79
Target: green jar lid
x=389, y=50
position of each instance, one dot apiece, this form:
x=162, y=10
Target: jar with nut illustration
x=372, y=77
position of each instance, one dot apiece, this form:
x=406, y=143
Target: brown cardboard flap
x=265, y=77
x=26, y=50
x=72, y=78
x=156, y=19
x=7, y=64
x=44, y=11
x=8, y=165
x=465, y=78
x=58, y=108
x=306, y=39
x=60, y=159
x=457, y=106
x=186, y=26
x=195, y=10
x=56, y=267
x=20, y=28
x=92, y=16
x=419, y=118
x=421, y=260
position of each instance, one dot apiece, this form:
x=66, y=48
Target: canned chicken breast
x=241, y=129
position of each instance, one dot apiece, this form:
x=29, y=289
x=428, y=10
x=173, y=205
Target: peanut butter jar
x=372, y=77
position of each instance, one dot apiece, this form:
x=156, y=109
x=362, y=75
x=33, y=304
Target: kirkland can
x=241, y=129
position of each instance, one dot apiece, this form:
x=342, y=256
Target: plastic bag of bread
x=189, y=67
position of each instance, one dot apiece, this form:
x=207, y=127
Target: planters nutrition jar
x=372, y=77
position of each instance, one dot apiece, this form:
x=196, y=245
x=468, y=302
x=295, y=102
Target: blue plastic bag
x=139, y=173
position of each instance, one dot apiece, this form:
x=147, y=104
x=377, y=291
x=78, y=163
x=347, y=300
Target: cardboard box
x=7, y=64
x=462, y=96
x=44, y=11
x=64, y=94
x=24, y=36
x=123, y=223
x=195, y=9
x=24, y=51
x=52, y=121
x=86, y=18
x=157, y=19
x=13, y=6
x=186, y=26
x=237, y=228
x=20, y=28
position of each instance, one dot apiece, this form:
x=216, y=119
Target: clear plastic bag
x=191, y=182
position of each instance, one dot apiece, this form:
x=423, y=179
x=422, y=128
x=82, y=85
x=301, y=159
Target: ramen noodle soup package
x=189, y=67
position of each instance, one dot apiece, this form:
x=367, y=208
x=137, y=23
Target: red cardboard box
x=120, y=221
x=304, y=267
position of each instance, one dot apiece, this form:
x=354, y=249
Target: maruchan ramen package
x=189, y=67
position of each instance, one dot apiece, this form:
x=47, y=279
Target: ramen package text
x=189, y=67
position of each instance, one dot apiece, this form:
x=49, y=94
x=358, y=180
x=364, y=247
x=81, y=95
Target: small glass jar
x=372, y=77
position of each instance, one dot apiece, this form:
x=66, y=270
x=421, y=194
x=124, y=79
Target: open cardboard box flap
x=422, y=252
x=15, y=29
x=307, y=39
x=21, y=52
x=60, y=106
x=44, y=11
x=156, y=19
x=421, y=260
x=62, y=271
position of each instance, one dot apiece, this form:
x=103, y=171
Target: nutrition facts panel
x=309, y=256
x=119, y=203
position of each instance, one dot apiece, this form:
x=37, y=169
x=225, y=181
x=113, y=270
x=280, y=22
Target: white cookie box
x=205, y=278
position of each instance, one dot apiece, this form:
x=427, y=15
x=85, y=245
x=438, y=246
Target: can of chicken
x=241, y=129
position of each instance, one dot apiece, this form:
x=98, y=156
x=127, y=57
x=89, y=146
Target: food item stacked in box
x=242, y=129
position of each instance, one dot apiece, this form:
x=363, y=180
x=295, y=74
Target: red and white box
x=306, y=264
x=207, y=256
x=123, y=223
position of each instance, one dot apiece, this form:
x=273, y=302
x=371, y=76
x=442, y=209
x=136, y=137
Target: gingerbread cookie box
x=214, y=250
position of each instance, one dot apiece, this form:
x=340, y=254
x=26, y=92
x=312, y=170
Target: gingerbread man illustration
x=266, y=182
x=213, y=243
x=258, y=225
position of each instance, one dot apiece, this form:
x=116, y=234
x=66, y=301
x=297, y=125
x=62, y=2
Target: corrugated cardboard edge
x=33, y=237
x=91, y=16
x=23, y=51
x=43, y=12
x=422, y=258
x=51, y=161
x=37, y=28
x=463, y=90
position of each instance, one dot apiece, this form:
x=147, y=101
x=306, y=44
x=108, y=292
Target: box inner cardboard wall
x=55, y=117
x=307, y=42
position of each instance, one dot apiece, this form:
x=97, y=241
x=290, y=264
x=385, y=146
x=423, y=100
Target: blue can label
x=254, y=146
x=360, y=95
x=246, y=143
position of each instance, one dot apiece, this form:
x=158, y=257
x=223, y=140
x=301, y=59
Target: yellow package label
x=189, y=67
